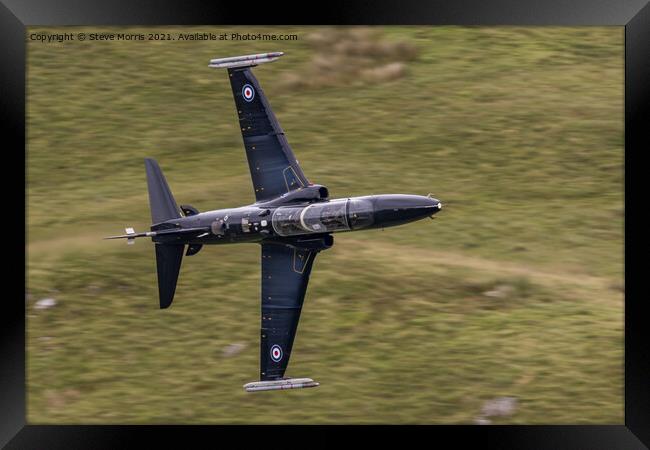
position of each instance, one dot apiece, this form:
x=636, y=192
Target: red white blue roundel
x=248, y=92
x=276, y=353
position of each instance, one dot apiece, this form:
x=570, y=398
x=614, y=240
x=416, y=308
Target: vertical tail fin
x=161, y=201
x=168, y=262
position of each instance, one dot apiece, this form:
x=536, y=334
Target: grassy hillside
x=514, y=290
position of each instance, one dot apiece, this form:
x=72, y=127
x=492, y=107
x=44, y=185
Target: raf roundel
x=276, y=353
x=248, y=92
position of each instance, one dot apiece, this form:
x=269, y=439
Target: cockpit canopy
x=323, y=217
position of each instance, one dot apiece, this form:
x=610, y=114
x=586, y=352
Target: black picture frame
x=634, y=15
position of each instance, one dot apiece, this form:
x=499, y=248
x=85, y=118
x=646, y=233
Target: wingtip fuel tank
x=286, y=383
x=244, y=61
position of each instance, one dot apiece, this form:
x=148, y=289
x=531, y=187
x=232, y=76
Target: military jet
x=292, y=219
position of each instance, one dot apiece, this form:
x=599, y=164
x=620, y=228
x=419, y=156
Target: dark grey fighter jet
x=292, y=219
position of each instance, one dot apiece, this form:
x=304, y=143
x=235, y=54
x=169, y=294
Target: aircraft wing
x=273, y=166
x=285, y=275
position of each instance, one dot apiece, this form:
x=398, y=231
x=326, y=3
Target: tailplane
x=168, y=262
x=164, y=208
x=161, y=201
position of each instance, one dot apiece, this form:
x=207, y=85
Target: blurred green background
x=507, y=308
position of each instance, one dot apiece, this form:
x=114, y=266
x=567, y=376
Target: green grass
x=519, y=131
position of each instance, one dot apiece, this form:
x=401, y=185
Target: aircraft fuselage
x=282, y=219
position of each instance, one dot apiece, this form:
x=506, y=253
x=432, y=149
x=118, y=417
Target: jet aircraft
x=292, y=219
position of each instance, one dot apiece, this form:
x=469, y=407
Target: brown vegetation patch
x=360, y=55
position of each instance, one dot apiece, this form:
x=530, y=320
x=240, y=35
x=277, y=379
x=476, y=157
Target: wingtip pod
x=244, y=61
x=275, y=385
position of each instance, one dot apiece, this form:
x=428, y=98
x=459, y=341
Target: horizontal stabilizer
x=161, y=201
x=168, y=263
x=275, y=385
x=244, y=61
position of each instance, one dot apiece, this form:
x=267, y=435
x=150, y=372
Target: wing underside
x=285, y=275
x=273, y=166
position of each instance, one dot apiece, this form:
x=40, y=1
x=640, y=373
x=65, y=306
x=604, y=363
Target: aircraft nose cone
x=432, y=206
x=433, y=203
x=397, y=209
